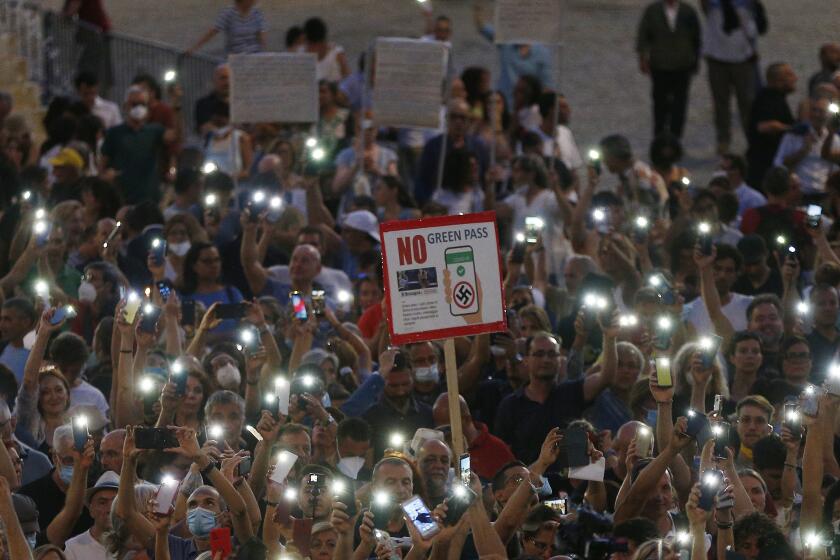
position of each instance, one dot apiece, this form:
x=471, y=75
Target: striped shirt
x=241, y=31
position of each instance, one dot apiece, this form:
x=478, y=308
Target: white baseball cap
x=363, y=220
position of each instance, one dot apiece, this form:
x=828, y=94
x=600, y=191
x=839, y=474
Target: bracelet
x=724, y=524
x=791, y=465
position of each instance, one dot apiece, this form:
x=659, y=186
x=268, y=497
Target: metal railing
x=57, y=48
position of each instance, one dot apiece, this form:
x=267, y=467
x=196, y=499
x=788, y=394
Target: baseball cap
x=752, y=248
x=27, y=513
x=68, y=157
x=363, y=220
x=108, y=481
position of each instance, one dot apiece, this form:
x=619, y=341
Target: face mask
x=66, y=474
x=222, y=131
x=427, y=374
x=229, y=377
x=201, y=521
x=138, y=112
x=350, y=466
x=326, y=401
x=179, y=249
x=31, y=540
x=87, y=292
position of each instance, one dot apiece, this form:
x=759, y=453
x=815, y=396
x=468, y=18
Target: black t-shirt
x=50, y=499
x=773, y=285
x=769, y=105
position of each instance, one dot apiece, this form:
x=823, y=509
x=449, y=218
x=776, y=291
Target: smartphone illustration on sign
x=460, y=262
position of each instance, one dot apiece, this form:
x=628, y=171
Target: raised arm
x=597, y=382
x=711, y=298
x=61, y=527
x=469, y=374
x=255, y=272
x=18, y=546
x=126, y=508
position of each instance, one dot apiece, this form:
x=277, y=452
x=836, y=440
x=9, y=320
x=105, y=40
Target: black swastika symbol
x=464, y=295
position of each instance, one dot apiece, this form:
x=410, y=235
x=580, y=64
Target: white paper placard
x=528, y=21
x=409, y=82
x=273, y=87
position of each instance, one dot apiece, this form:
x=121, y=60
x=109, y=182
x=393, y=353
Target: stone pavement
x=596, y=64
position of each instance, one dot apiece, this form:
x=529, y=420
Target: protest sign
x=410, y=74
x=442, y=277
x=273, y=87
x=528, y=21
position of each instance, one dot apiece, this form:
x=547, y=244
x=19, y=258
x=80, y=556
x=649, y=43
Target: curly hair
x=759, y=524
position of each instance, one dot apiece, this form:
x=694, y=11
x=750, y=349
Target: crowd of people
x=196, y=359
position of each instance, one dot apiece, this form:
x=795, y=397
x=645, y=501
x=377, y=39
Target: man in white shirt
x=801, y=153
x=726, y=269
x=87, y=88
x=562, y=143
x=88, y=545
x=735, y=168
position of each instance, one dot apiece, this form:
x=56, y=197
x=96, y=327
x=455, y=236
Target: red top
x=488, y=453
x=370, y=320
x=93, y=12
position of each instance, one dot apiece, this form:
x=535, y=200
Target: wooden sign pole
x=454, y=402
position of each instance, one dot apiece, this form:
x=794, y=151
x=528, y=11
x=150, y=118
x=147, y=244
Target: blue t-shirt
x=229, y=294
x=179, y=549
x=15, y=359
x=241, y=32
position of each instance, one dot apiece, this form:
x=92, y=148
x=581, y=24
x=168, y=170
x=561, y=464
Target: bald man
x=110, y=450
x=434, y=459
x=487, y=452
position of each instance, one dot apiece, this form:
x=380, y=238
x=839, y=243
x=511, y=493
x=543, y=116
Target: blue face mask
x=32, y=540
x=66, y=474
x=200, y=522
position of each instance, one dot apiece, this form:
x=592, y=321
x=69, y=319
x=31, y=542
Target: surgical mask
x=350, y=466
x=229, y=377
x=66, y=474
x=180, y=249
x=32, y=540
x=138, y=112
x=326, y=401
x=201, y=521
x=219, y=132
x=87, y=292
x=427, y=374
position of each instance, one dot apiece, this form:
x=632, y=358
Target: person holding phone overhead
x=202, y=281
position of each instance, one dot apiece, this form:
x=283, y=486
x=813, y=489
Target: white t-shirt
x=85, y=393
x=812, y=170
x=544, y=206
x=736, y=311
x=467, y=202
x=85, y=547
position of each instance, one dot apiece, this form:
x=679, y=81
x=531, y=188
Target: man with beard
x=721, y=270
x=754, y=415
x=764, y=317
x=548, y=401
x=434, y=459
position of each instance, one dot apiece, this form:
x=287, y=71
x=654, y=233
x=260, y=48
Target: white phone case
x=285, y=461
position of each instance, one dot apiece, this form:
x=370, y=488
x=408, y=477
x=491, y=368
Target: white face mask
x=87, y=292
x=179, y=249
x=228, y=377
x=138, y=112
x=350, y=466
x=427, y=374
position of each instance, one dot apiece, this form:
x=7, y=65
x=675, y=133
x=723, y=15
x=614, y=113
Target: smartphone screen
x=420, y=517
x=132, y=305
x=663, y=372
x=814, y=214
x=319, y=302
x=164, y=288
x=166, y=494
x=298, y=306
x=558, y=505
x=464, y=464
x=460, y=262
x=344, y=493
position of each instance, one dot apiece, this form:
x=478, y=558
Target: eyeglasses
x=798, y=356
x=543, y=354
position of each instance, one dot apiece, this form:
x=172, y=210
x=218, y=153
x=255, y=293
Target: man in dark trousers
x=770, y=118
x=668, y=44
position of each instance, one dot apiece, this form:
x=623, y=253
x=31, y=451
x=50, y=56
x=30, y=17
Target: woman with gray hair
x=696, y=385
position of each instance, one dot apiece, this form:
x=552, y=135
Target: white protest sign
x=528, y=21
x=443, y=277
x=409, y=82
x=273, y=87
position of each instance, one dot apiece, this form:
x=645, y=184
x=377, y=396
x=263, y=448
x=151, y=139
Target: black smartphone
x=343, y=492
x=149, y=320
x=711, y=482
x=576, y=443
x=382, y=507
x=230, y=311
x=518, y=252
x=457, y=503
x=709, y=347
x=164, y=288
x=697, y=424
x=188, y=313
x=249, y=336
x=244, y=466
x=178, y=376
x=157, y=250
x=154, y=438
x=257, y=205
x=80, y=432
x=722, y=434
x=793, y=419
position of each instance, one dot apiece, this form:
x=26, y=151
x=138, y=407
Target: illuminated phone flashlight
x=290, y=494
x=599, y=215
x=664, y=323
x=211, y=200
x=156, y=243
x=318, y=153
x=311, y=142
x=381, y=498
x=169, y=76
x=629, y=320
x=683, y=537
x=275, y=203
x=520, y=237
x=834, y=370
x=711, y=480
x=148, y=309
x=655, y=281
x=168, y=480
x=246, y=336
x=594, y=155
x=664, y=362
x=691, y=413
x=133, y=297
x=26, y=195
x=833, y=108
x=595, y=301
x=81, y=421
x=460, y=491
x=307, y=380
x=42, y=289
x=792, y=416
x=642, y=223
x=781, y=240
x=148, y=292
x=704, y=228
x=177, y=367
x=40, y=214
x=536, y=223
x=146, y=385
x=338, y=486
x=803, y=308
x=216, y=430
x=258, y=196
x=209, y=167
x=705, y=343
x=809, y=390
x=343, y=296
x=685, y=181
x=279, y=382
x=791, y=249
x=39, y=227
x=396, y=440
x=644, y=430
x=813, y=540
